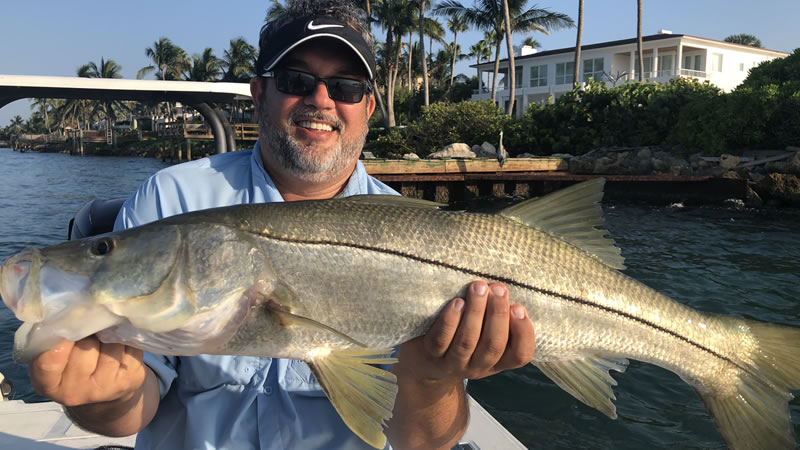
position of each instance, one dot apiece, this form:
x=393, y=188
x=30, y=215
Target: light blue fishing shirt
x=233, y=402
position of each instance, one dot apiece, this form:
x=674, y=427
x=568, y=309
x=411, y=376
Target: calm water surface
x=718, y=259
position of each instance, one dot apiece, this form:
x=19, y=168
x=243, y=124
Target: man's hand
x=87, y=371
x=473, y=338
x=105, y=387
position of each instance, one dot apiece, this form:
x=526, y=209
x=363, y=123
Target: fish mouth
x=14, y=275
x=34, y=289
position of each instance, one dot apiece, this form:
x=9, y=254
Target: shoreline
x=772, y=177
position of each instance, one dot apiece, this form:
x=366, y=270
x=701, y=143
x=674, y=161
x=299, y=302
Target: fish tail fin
x=755, y=414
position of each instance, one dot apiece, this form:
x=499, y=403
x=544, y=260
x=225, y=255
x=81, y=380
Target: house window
x=716, y=62
x=665, y=65
x=518, y=76
x=697, y=63
x=593, y=68
x=741, y=67
x=539, y=76
x=687, y=62
x=565, y=73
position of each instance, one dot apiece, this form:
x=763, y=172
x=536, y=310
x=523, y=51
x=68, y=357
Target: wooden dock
x=456, y=180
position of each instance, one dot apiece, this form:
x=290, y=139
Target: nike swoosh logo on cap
x=313, y=27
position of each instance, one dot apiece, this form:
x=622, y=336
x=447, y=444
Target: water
x=740, y=262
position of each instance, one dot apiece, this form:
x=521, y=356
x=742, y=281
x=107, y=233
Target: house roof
x=652, y=37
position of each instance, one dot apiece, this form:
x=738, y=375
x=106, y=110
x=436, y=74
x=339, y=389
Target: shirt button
x=268, y=390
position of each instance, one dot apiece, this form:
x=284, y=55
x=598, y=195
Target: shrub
x=445, y=123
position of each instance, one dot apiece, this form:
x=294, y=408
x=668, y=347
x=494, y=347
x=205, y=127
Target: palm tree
x=275, y=10
x=239, y=61
x=17, y=123
x=744, y=39
x=106, y=69
x=455, y=25
x=512, y=67
x=395, y=18
x=577, y=68
x=169, y=60
x=205, y=67
x=43, y=105
x=640, y=69
x=422, y=49
x=488, y=15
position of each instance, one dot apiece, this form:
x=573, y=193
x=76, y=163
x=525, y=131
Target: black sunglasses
x=295, y=82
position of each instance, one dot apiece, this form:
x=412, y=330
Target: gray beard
x=302, y=162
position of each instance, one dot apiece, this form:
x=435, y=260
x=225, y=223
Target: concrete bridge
x=198, y=95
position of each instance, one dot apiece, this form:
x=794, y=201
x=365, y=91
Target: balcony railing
x=693, y=73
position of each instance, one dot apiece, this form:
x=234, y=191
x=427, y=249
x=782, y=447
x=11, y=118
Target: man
x=313, y=98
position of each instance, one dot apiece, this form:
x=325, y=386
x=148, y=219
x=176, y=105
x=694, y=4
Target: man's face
x=314, y=138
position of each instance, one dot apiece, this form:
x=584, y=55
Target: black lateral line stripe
x=509, y=281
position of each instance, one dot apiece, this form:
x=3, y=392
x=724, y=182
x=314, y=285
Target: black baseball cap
x=305, y=29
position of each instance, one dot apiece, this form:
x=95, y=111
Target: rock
x=792, y=148
x=476, y=149
x=487, y=150
x=457, y=150
x=755, y=177
x=660, y=165
x=645, y=166
x=644, y=153
x=367, y=155
x=561, y=155
x=695, y=158
x=731, y=174
x=794, y=164
x=782, y=187
x=581, y=165
x=680, y=167
x=411, y=156
x=603, y=165
x=752, y=199
x=526, y=155
x=729, y=161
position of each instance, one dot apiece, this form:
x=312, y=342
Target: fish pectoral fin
x=362, y=394
x=288, y=318
x=587, y=379
x=572, y=214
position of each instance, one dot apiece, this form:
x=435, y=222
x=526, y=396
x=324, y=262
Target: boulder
x=457, y=150
x=411, y=156
x=526, y=155
x=644, y=153
x=728, y=162
x=367, y=155
x=485, y=150
x=780, y=186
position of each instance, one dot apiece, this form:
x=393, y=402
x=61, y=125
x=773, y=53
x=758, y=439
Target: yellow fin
x=587, y=379
x=572, y=214
x=362, y=394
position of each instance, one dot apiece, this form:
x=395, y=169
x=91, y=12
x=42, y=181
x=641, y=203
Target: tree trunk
x=639, y=39
x=577, y=70
x=410, y=53
x=496, y=68
x=390, y=77
x=512, y=71
x=455, y=53
x=422, y=50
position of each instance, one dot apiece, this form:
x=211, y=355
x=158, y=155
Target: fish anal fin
x=587, y=379
x=362, y=394
x=572, y=215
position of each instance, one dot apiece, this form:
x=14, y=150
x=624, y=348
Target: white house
x=540, y=75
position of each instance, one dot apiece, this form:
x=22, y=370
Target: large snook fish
x=339, y=283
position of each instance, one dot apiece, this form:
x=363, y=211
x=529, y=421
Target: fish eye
x=102, y=247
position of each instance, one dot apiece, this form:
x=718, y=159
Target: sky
x=55, y=37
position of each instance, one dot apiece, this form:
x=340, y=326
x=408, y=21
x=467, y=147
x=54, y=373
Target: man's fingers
x=522, y=340
x=469, y=330
x=82, y=364
x=47, y=369
x=440, y=336
x=109, y=361
x=494, y=335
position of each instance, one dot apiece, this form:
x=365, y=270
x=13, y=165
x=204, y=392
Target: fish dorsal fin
x=362, y=394
x=393, y=200
x=587, y=379
x=572, y=215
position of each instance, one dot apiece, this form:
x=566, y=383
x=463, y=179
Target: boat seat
x=95, y=217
